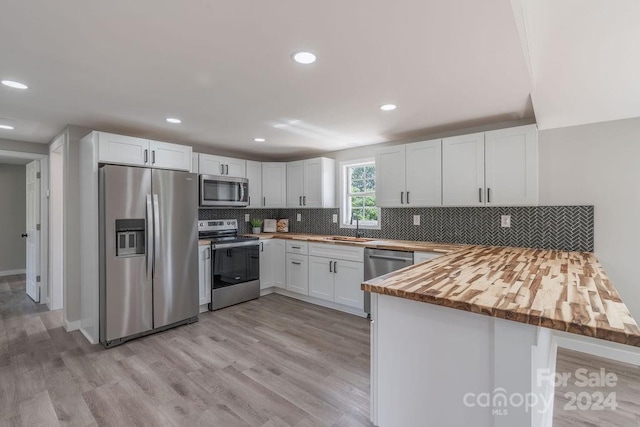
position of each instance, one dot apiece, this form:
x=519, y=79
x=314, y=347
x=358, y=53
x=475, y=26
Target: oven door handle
x=215, y=246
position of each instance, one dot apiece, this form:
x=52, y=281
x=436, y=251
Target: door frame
x=56, y=294
x=44, y=214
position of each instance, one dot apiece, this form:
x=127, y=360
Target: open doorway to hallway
x=12, y=216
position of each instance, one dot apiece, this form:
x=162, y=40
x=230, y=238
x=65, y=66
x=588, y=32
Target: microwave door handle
x=149, y=237
x=241, y=192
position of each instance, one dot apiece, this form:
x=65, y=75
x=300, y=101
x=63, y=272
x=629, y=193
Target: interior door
x=33, y=230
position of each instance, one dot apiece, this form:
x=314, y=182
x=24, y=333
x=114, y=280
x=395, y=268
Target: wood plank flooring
x=274, y=362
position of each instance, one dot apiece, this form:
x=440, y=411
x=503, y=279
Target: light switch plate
x=505, y=221
x=416, y=220
x=247, y=217
x=298, y=217
x=335, y=218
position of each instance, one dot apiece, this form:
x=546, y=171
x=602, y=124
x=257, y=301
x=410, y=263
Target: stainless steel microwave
x=223, y=191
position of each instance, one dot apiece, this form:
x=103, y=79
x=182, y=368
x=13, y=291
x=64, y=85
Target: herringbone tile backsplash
x=568, y=228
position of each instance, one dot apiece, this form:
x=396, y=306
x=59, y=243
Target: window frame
x=345, y=194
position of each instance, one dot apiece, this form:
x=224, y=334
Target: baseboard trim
x=72, y=326
x=320, y=302
x=597, y=347
x=12, y=272
x=87, y=336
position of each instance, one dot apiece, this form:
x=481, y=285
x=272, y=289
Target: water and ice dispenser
x=130, y=237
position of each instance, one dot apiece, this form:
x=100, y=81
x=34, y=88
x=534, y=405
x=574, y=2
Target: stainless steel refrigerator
x=148, y=251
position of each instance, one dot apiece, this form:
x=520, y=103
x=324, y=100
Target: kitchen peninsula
x=488, y=362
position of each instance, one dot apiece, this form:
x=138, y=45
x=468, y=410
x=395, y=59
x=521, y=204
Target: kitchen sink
x=348, y=239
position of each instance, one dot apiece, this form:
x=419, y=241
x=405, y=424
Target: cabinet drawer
x=296, y=247
x=419, y=257
x=342, y=252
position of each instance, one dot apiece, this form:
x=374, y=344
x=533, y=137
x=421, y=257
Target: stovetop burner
x=224, y=233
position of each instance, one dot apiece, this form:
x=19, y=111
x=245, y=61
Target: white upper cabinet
x=511, y=166
x=274, y=185
x=409, y=175
x=295, y=183
x=463, y=170
x=390, y=176
x=217, y=165
x=128, y=150
x=254, y=175
x=424, y=173
x=311, y=183
x=124, y=150
x=497, y=168
x=170, y=156
x=194, y=163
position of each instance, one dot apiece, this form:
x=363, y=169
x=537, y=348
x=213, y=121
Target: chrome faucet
x=358, y=235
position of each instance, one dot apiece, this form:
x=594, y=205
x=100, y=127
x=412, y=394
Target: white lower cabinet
x=266, y=264
x=419, y=257
x=278, y=263
x=321, y=278
x=298, y=273
x=349, y=276
x=204, y=273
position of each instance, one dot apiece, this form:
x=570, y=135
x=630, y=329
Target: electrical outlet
x=416, y=220
x=298, y=217
x=335, y=218
x=505, y=221
x=247, y=217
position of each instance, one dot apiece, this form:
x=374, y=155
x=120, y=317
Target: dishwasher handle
x=390, y=258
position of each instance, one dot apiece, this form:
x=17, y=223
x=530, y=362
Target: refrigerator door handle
x=156, y=231
x=149, y=237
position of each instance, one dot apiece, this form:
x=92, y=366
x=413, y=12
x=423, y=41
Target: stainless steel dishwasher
x=378, y=262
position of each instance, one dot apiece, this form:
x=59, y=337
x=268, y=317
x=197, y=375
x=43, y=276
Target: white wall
x=12, y=217
x=24, y=147
x=599, y=164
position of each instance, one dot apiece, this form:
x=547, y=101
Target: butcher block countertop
x=394, y=245
x=566, y=291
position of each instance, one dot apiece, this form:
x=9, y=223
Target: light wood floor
x=271, y=362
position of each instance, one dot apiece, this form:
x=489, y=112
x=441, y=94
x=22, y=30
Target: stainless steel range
x=235, y=263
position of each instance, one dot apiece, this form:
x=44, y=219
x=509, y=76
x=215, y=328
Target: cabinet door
x=274, y=185
x=390, y=176
x=298, y=273
x=194, y=163
x=170, y=156
x=463, y=170
x=235, y=167
x=511, y=166
x=295, y=183
x=419, y=257
x=210, y=165
x=123, y=150
x=278, y=263
x=204, y=273
x=321, y=278
x=266, y=265
x=254, y=175
x=424, y=173
x=349, y=276
x=312, y=196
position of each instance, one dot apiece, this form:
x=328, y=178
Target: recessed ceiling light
x=15, y=85
x=174, y=120
x=7, y=127
x=259, y=139
x=388, y=107
x=304, y=57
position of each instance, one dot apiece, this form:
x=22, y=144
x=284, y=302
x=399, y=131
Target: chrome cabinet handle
x=261, y=246
x=153, y=157
x=296, y=247
x=299, y=200
x=249, y=200
x=221, y=169
x=304, y=200
x=402, y=197
x=335, y=266
x=264, y=201
x=226, y=168
x=480, y=195
x=488, y=195
x=330, y=271
x=407, y=197
x=296, y=263
x=146, y=156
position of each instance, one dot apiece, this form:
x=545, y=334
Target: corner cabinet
x=311, y=183
x=204, y=274
x=254, y=175
x=497, y=168
x=132, y=151
x=409, y=175
x=274, y=185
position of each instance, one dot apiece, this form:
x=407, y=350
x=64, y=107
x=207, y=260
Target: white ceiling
x=224, y=68
x=584, y=57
